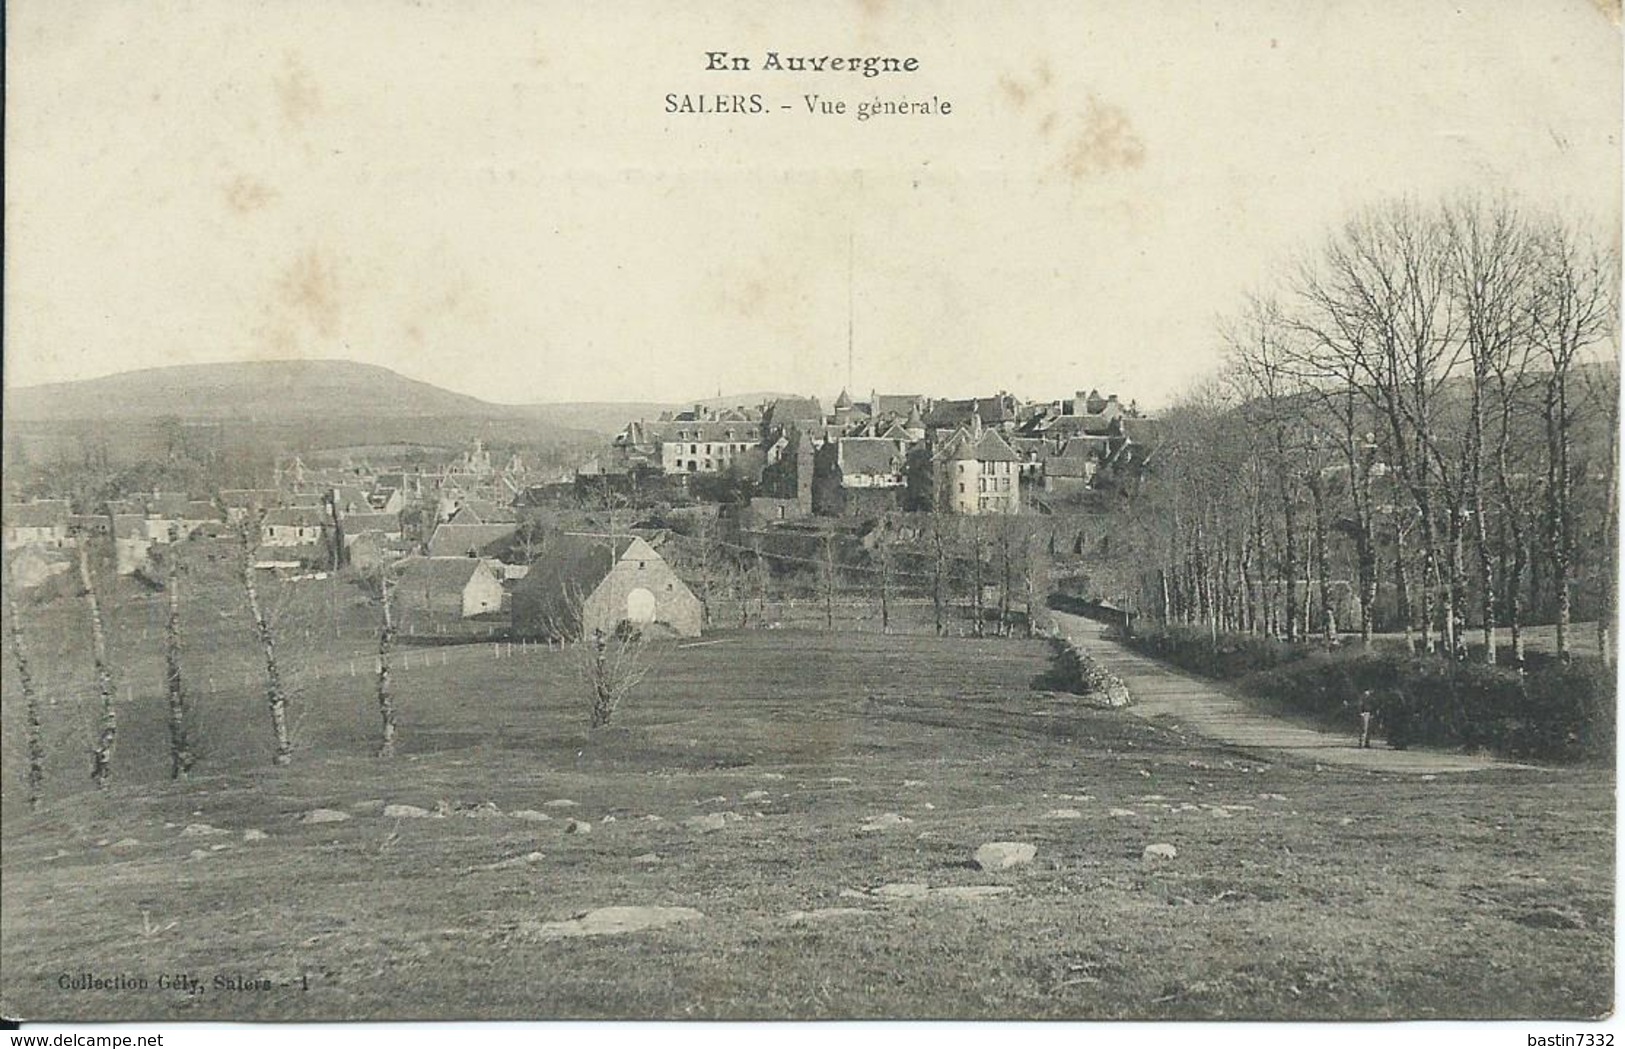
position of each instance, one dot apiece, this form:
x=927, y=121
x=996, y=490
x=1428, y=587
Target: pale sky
x=490, y=196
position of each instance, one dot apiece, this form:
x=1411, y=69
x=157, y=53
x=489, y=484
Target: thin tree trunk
x=1328, y=620
x=936, y=573
x=275, y=698
x=34, y=728
x=101, y=757
x=1402, y=589
x=976, y=577
x=885, y=582
x=180, y=748
x=1290, y=555
x=758, y=573
x=1005, y=580
x=829, y=582
x=1028, y=578
x=386, y=645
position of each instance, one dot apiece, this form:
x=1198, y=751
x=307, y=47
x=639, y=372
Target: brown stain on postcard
x=297, y=94
x=1098, y=140
x=1105, y=143
x=308, y=290
x=245, y=195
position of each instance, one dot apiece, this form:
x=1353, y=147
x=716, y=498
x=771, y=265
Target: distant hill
x=282, y=392
x=259, y=391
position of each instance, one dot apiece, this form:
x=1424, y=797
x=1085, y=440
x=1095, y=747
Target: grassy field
x=1296, y=892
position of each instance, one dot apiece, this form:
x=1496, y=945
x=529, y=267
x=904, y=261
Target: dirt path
x=1214, y=711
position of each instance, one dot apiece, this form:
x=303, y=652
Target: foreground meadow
x=806, y=807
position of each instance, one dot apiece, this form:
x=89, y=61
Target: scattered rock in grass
x=839, y=781
x=914, y=783
x=903, y=890
x=512, y=861
x=577, y=827
x=711, y=821
x=1160, y=851
x=1120, y=813
x=219, y=846
x=370, y=807
x=607, y=819
x=1429, y=778
x=1272, y=797
x=616, y=921
x=1146, y=773
x=324, y=816
x=484, y=810
x=1219, y=812
x=826, y=913
x=530, y=815
x=652, y=818
x=170, y=826
x=970, y=893
x=646, y=858
x=756, y=795
x=559, y=803
x=884, y=821
x=999, y=855
x=1346, y=821
x=199, y=854
x=927, y=806
x=916, y=890
x=1063, y=814
x=1551, y=918
x=406, y=812
x=254, y=834
x=124, y=843
x=199, y=830
x=718, y=800
x=772, y=775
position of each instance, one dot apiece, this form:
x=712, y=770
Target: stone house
x=43, y=522
x=446, y=587
x=587, y=583
x=977, y=472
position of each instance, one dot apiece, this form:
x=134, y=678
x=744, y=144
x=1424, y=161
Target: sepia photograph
x=709, y=510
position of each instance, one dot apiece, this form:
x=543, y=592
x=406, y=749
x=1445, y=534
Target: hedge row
x=1562, y=711
x=1075, y=671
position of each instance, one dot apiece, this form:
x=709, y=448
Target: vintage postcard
x=885, y=509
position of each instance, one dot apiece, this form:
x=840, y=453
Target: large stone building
x=587, y=583
x=977, y=472
x=446, y=587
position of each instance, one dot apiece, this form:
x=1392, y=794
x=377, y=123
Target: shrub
x=1078, y=672
x=1226, y=657
x=1554, y=710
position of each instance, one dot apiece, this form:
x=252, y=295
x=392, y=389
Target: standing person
x=1366, y=716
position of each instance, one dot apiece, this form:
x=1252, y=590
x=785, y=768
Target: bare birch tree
x=33, y=729
x=275, y=697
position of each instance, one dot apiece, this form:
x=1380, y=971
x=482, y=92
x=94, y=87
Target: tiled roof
x=457, y=540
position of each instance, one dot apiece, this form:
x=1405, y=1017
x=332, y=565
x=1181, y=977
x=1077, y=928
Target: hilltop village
x=892, y=452
x=461, y=536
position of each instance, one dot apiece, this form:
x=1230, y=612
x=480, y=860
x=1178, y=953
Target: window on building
x=961, y=488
